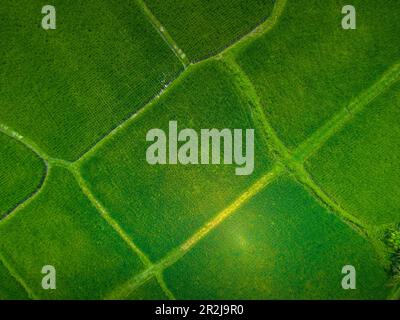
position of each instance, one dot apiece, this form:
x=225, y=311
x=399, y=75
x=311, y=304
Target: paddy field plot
x=77, y=191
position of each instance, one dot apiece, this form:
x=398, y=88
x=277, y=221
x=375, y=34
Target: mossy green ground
x=116, y=227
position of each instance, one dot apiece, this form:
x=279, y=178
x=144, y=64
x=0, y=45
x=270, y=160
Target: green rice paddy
x=77, y=193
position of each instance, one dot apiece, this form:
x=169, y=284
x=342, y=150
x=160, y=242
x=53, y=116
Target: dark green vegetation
x=324, y=105
x=67, y=88
x=202, y=28
x=21, y=172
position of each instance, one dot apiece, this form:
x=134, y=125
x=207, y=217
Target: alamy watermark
x=349, y=20
x=49, y=280
x=349, y=280
x=49, y=20
x=189, y=147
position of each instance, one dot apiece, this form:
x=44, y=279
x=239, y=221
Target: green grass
x=308, y=68
x=61, y=228
x=202, y=28
x=281, y=245
x=359, y=166
x=68, y=87
x=21, y=173
x=160, y=206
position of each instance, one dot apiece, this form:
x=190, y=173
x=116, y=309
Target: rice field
x=77, y=191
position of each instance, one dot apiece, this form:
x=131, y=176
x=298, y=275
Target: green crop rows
x=77, y=193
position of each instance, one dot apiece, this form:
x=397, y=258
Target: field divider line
x=321, y=135
x=249, y=93
x=14, y=274
x=40, y=154
x=176, y=254
x=164, y=33
x=28, y=200
x=164, y=287
x=25, y=141
x=117, y=228
x=107, y=217
x=363, y=230
x=258, y=31
x=127, y=121
x=276, y=145
x=329, y=129
x=296, y=166
x=295, y=161
x=32, y=195
x=47, y=161
x=263, y=28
